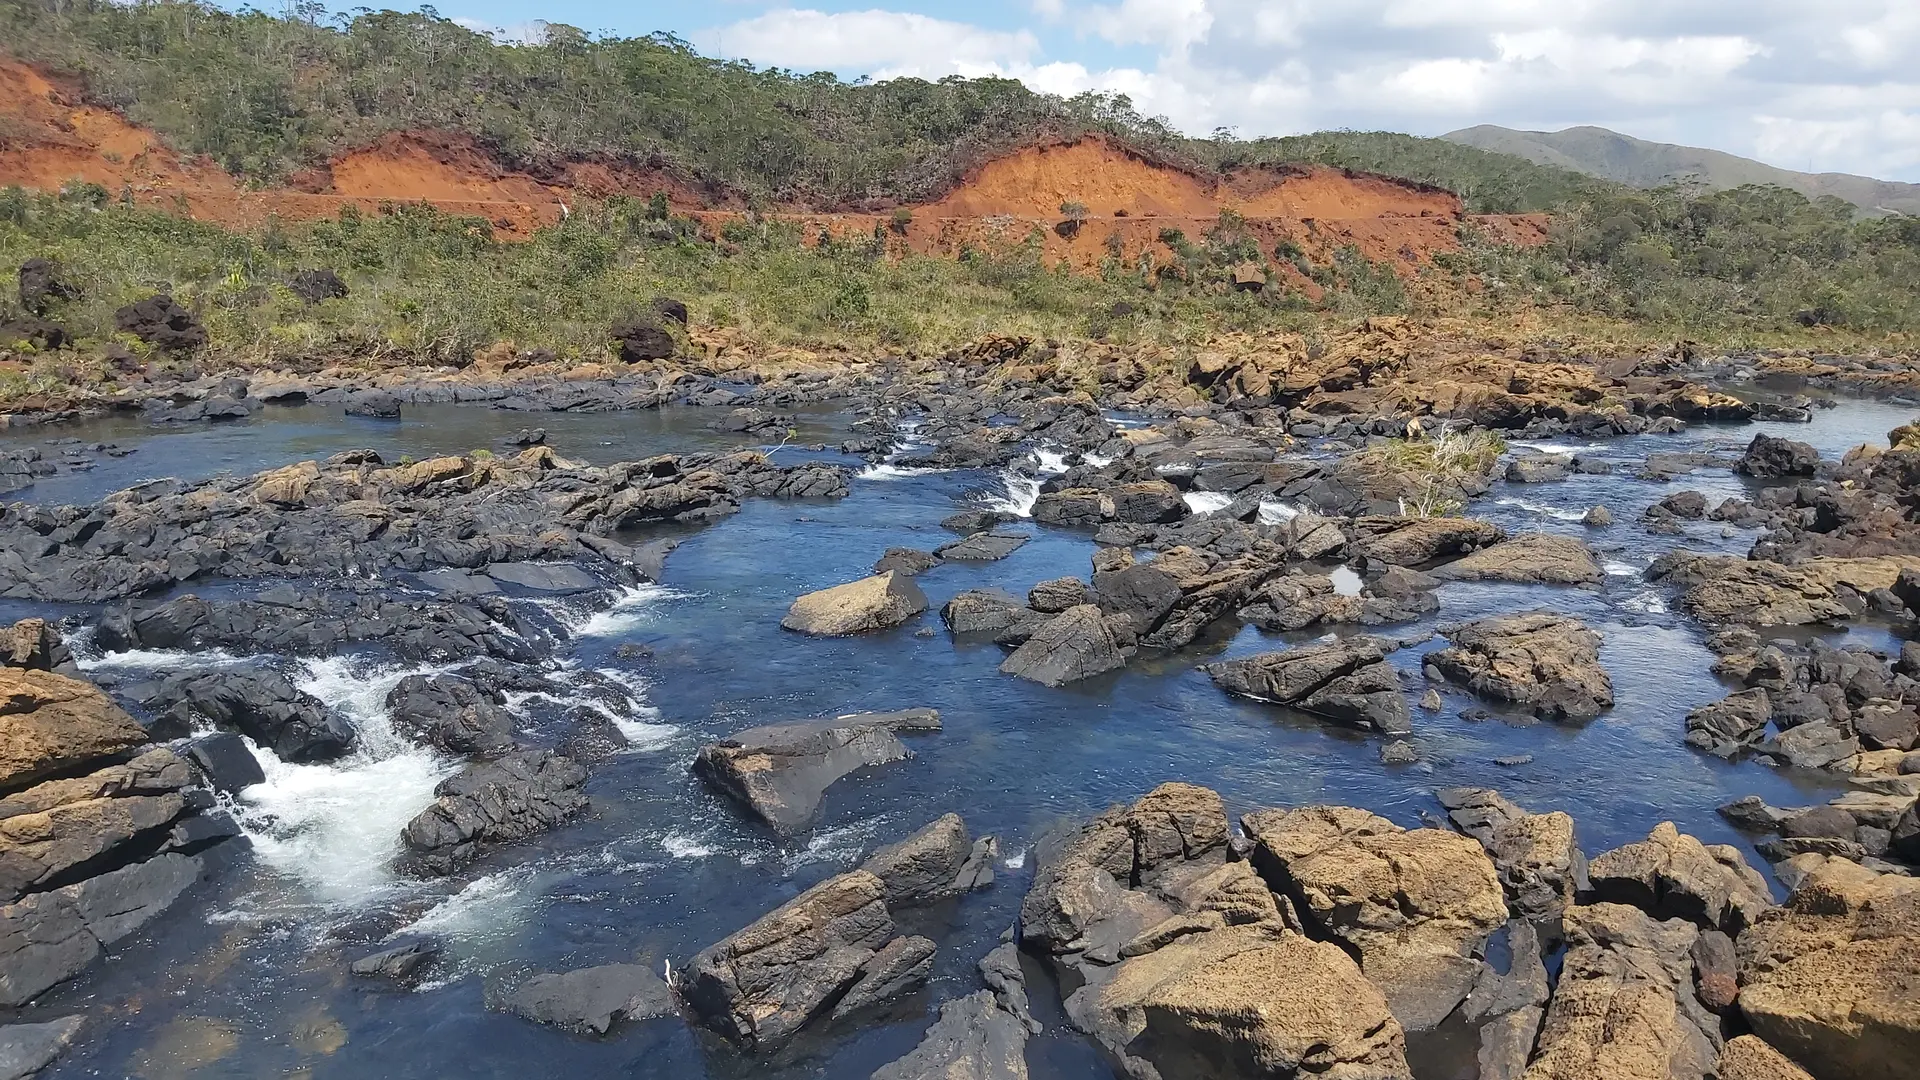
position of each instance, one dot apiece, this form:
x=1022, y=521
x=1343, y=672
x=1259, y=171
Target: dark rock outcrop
x=260, y=704
x=781, y=771
x=592, y=1000
x=450, y=713
x=496, y=802
x=162, y=323
x=1076, y=644
x=1348, y=681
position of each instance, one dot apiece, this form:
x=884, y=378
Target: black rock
x=1769, y=456
x=399, y=963
x=162, y=323
x=450, y=713
x=313, y=286
x=226, y=761
x=40, y=284
x=780, y=772
x=377, y=404
x=262, y=705
x=495, y=802
x=593, y=999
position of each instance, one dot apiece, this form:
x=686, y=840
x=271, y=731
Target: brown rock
x=1624, y=1007
x=1533, y=558
x=1547, y=662
x=1748, y=1057
x=1674, y=875
x=51, y=724
x=1416, y=905
x=1537, y=855
x=1415, y=541
x=1832, y=979
x=858, y=607
x=1243, y=1002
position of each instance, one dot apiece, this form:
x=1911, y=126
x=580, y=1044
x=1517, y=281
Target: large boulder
x=1625, y=1006
x=1250, y=1001
x=162, y=323
x=504, y=801
x=1348, y=681
x=37, y=644
x=1144, y=593
x=1758, y=592
x=875, y=603
x=57, y=829
x=985, y=611
x=1770, y=456
x=1529, y=558
x=1734, y=723
x=780, y=772
x=935, y=863
x=51, y=724
x=974, y=1039
x=1674, y=875
x=49, y=937
x=450, y=713
x=1076, y=644
x=1832, y=979
x=592, y=1000
x=1081, y=508
x=1537, y=855
x=1548, y=663
x=762, y=984
x=1210, y=589
x=1415, y=905
x=260, y=704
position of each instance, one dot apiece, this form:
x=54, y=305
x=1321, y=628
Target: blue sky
x=1826, y=85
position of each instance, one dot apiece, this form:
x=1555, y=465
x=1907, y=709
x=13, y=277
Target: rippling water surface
x=251, y=982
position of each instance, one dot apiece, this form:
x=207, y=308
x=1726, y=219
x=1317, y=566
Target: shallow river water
x=248, y=979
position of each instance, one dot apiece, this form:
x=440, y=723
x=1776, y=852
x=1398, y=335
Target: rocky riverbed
x=975, y=725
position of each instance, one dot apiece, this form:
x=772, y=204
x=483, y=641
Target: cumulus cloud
x=884, y=44
x=1834, y=85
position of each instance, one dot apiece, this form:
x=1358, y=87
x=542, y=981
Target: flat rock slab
x=879, y=602
x=593, y=999
x=544, y=577
x=1076, y=644
x=781, y=771
x=1530, y=558
x=982, y=547
x=25, y=1049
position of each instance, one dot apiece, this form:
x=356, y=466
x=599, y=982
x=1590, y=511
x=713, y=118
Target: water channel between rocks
x=255, y=985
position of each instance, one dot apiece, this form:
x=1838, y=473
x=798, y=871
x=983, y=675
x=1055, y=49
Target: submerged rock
x=858, y=607
x=982, y=547
x=25, y=1049
x=592, y=1000
x=781, y=771
x=1348, y=681
x=1546, y=662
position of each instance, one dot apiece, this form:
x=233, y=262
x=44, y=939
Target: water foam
x=153, y=660
x=1051, y=461
x=1207, y=502
x=887, y=471
x=1098, y=461
x=1022, y=492
x=1647, y=603
x=335, y=827
x=1548, y=447
x=634, y=607
x=1543, y=509
x=1273, y=512
x=1620, y=569
x=1345, y=581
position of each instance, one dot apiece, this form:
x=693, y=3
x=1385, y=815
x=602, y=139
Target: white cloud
x=526, y=33
x=1834, y=84
x=885, y=44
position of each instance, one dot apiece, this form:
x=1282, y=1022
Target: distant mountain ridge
x=1624, y=159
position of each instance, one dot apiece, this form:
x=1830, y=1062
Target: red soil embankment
x=49, y=137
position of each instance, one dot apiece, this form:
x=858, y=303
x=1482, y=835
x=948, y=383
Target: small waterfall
x=1022, y=492
x=1274, y=512
x=1207, y=502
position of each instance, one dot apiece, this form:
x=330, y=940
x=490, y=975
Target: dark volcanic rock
x=911, y=562
x=25, y=1049
x=318, y=624
x=399, y=963
x=781, y=771
x=162, y=323
x=1349, y=681
x=984, y=611
x=495, y=802
x=223, y=758
x=592, y=1000
x=41, y=284
x=450, y=713
x=262, y=705
x=314, y=286
x=1769, y=456
x=1076, y=644
x=376, y=404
